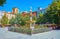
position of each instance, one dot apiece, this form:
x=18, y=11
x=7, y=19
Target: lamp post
x=39, y=11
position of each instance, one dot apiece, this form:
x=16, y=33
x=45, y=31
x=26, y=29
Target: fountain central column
x=31, y=20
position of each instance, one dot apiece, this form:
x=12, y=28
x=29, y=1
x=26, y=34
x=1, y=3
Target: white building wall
x=9, y=15
x=1, y=14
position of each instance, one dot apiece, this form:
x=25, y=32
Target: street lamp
x=40, y=9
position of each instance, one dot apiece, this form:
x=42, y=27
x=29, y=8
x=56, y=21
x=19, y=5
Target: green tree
x=26, y=17
x=2, y=2
x=11, y=21
x=53, y=12
x=4, y=20
x=19, y=19
x=40, y=19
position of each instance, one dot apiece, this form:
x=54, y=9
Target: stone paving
x=4, y=34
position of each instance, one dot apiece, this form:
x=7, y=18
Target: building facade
x=9, y=14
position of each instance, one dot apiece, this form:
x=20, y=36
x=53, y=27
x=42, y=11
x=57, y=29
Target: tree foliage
x=4, y=20
x=19, y=19
x=2, y=2
x=53, y=12
x=11, y=21
x=40, y=20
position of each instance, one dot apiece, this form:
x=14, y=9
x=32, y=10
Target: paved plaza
x=4, y=34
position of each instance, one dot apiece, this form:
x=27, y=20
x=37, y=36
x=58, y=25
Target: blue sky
x=24, y=5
